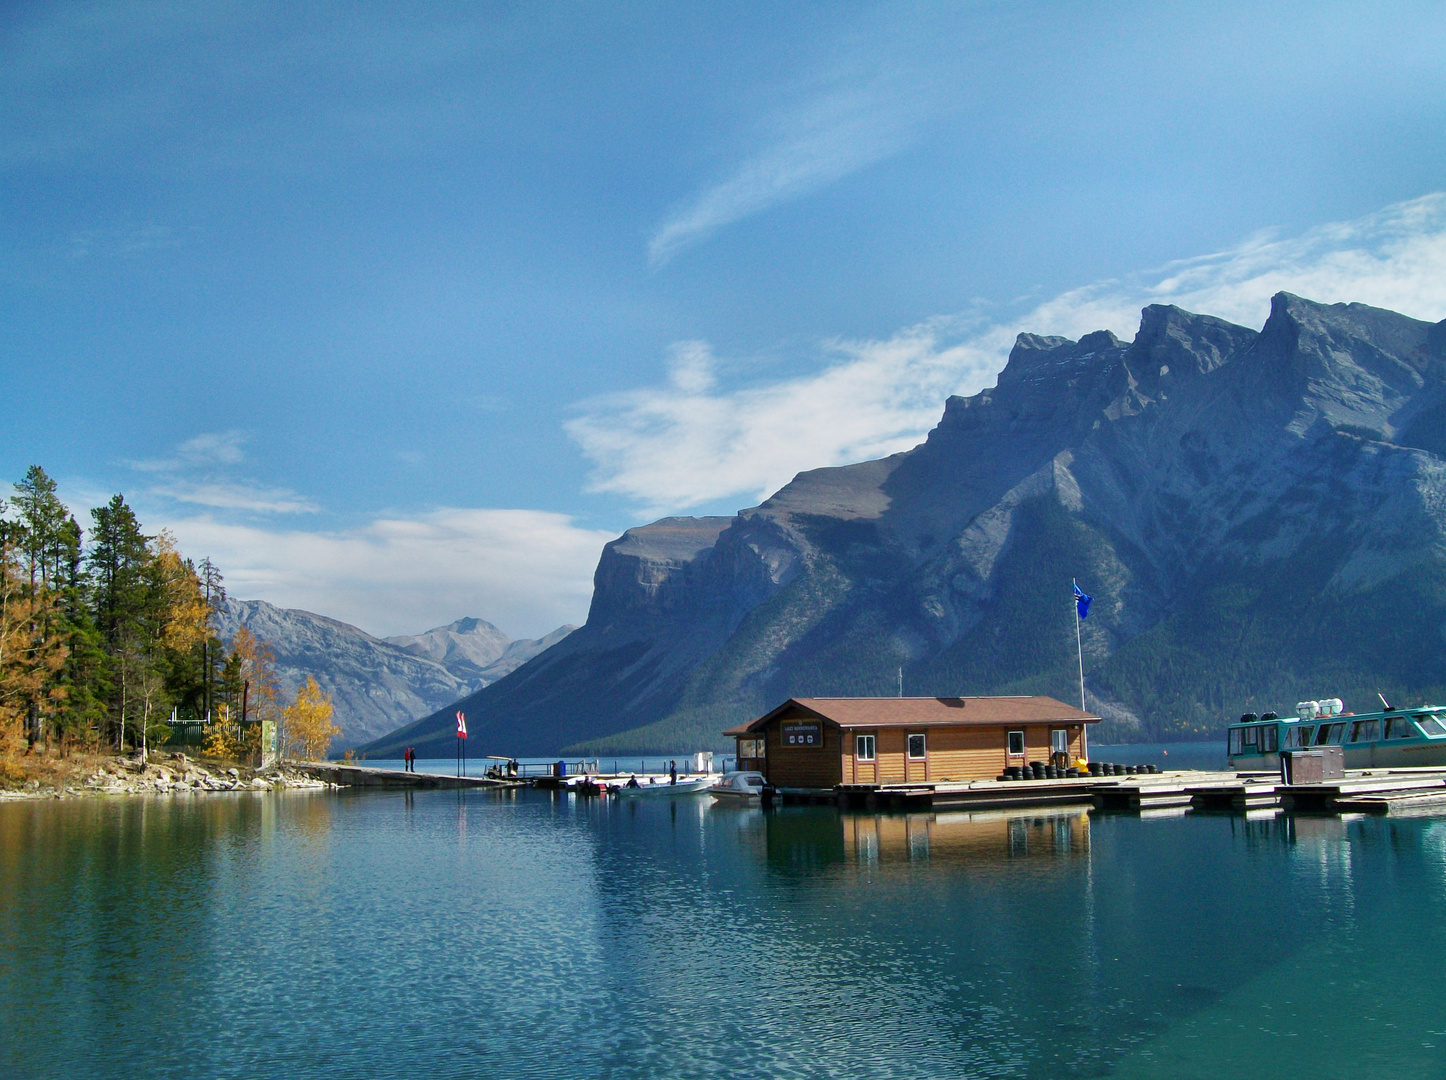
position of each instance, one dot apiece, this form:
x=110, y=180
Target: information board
x=802, y=733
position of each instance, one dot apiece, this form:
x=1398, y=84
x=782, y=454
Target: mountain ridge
x=1204, y=476
x=377, y=684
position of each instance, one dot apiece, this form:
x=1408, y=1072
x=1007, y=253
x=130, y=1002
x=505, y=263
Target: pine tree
x=84, y=678
x=41, y=535
x=118, y=558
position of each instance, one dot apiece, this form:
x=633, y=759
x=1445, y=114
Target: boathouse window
x=864, y=747
x=916, y=747
x=1016, y=744
x=803, y=734
x=1365, y=731
x=1398, y=727
x=1269, y=740
x=751, y=748
x=1059, y=741
x=1430, y=725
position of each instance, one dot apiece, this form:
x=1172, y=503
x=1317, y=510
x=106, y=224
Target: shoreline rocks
x=165, y=774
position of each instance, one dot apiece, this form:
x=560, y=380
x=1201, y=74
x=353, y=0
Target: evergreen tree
x=118, y=558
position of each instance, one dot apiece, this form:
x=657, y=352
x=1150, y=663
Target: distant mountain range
x=1261, y=517
x=378, y=684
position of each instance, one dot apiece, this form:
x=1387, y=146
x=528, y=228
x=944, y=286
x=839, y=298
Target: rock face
x=375, y=684
x=1260, y=516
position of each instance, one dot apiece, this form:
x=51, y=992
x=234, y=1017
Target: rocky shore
x=161, y=774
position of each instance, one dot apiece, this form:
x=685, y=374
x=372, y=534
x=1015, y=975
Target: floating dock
x=1377, y=791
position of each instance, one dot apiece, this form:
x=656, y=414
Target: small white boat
x=653, y=788
x=740, y=787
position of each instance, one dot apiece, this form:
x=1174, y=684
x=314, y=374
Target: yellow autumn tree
x=250, y=683
x=28, y=660
x=307, y=722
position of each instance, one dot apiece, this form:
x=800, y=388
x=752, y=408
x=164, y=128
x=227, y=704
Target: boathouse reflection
x=800, y=838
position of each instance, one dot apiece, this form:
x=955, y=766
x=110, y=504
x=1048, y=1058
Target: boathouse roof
x=923, y=712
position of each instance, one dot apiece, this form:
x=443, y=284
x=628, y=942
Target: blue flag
x=1082, y=601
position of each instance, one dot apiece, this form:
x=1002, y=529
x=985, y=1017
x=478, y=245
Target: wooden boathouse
x=821, y=743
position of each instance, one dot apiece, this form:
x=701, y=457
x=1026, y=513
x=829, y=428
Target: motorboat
x=1388, y=738
x=654, y=788
x=740, y=787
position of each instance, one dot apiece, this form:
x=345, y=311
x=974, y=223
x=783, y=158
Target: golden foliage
x=308, y=725
x=29, y=658
x=221, y=740
x=186, y=615
x=258, y=669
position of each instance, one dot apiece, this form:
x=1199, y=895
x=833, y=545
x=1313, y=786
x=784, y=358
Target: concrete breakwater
x=339, y=774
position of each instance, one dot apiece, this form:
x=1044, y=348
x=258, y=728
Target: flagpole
x=1079, y=648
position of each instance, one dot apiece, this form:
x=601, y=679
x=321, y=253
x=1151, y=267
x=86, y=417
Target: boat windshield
x=1431, y=726
x=757, y=781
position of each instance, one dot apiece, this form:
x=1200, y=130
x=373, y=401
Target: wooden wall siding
x=890, y=751
x=791, y=767
x=963, y=753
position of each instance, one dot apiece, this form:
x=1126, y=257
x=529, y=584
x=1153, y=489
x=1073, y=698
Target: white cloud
x=691, y=441
x=231, y=496
x=195, y=474
x=217, y=447
x=528, y=571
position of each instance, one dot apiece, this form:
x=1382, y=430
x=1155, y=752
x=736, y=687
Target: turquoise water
x=475, y=934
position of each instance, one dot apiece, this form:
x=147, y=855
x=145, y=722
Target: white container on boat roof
x=1307, y=710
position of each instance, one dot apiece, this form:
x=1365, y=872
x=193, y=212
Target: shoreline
x=162, y=774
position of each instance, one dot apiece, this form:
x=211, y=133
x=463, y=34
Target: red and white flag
x=461, y=725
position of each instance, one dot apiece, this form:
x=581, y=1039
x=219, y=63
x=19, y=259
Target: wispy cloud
x=870, y=91
x=197, y=470
x=817, y=142
x=692, y=440
x=529, y=571
x=232, y=496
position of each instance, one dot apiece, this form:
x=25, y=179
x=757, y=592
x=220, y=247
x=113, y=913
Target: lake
x=478, y=934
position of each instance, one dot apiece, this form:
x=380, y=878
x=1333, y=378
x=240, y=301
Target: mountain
x=378, y=684
x=1261, y=517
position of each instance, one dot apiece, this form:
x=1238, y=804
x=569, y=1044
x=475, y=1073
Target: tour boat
x=1390, y=738
x=740, y=787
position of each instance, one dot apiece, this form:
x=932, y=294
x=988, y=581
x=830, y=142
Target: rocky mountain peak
x=1252, y=510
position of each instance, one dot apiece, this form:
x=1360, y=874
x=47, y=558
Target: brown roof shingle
x=927, y=712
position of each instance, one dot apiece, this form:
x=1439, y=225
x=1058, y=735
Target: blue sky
x=400, y=311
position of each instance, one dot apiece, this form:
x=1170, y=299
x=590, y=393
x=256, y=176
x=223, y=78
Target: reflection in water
x=525, y=934
x=807, y=838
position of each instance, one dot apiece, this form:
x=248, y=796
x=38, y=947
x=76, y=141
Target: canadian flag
x=461, y=726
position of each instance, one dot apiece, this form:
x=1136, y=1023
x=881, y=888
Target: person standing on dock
x=672, y=772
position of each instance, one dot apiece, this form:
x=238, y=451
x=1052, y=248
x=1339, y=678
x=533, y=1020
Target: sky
x=400, y=312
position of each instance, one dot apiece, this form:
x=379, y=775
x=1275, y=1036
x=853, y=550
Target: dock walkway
x=334, y=772
x=1379, y=791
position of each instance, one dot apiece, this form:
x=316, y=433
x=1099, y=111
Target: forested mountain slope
x=1260, y=516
